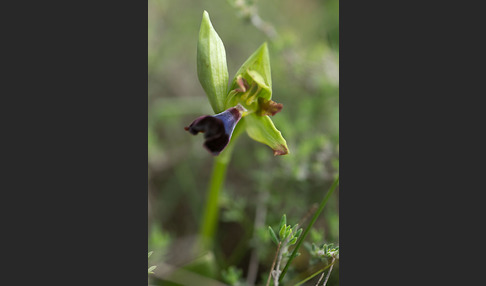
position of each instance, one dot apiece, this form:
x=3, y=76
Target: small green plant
x=287, y=236
x=322, y=253
x=232, y=276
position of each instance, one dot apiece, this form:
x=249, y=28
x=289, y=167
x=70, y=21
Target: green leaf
x=294, y=229
x=298, y=233
x=281, y=233
x=212, y=70
x=292, y=241
x=261, y=129
x=288, y=231
x=257, y=69
x=150, y=253
x=273, y=235
x=151, y=269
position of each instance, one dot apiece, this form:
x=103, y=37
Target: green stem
x=210, y=215
x=218, y=175
x=313, y=220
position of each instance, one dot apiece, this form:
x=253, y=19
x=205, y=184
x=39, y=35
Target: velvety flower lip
x=217, y=128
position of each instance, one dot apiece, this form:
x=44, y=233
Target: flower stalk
x=211, y=209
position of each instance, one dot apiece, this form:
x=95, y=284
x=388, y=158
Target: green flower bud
x=212, y=70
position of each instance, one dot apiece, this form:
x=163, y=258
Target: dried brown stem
x=273, y=264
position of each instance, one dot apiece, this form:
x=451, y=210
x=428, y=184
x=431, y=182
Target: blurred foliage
x=303, y=38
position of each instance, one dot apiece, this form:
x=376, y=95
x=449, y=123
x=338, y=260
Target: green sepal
x=257, y=69
x=262, y=129
x=212, y=69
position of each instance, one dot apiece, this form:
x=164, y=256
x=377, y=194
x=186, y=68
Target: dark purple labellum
x=217, y=129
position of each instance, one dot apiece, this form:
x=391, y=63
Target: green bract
x=250, y=92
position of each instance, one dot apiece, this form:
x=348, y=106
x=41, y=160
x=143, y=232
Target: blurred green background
x=303, y=38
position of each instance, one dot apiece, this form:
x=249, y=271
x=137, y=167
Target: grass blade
x=307, y=229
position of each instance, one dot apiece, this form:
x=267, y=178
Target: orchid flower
x=248, y=98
